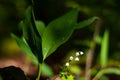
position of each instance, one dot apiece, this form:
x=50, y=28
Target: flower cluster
x=65, y=74
x=76, y=58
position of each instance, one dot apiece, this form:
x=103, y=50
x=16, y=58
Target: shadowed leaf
x=86, y=22
x=31, y=34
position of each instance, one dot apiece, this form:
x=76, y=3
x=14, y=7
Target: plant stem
x=90, y=53
x=39, y=71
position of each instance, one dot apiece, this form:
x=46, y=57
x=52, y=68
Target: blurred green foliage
x=104, y=49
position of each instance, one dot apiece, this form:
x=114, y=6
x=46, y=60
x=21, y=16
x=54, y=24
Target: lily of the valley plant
x=40, y=41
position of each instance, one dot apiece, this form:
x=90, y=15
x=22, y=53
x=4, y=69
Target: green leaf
x=46, y=70
x=40, y=27
x=107, y=71
x=70, y=77
x=31, y=34
x=85, y=22
x=104, y=78
x=58, y=32
x=104, y=49
x=25, y=48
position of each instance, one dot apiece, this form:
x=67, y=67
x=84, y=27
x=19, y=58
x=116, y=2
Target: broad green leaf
x=85, y=22
x=40, y=27
x=104, y=49
x=58, y=32
x=46, y=70
x=25, y=48
x=31, y=34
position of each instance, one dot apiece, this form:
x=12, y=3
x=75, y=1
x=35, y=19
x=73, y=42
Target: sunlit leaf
x=65, y=76
x=40, y=27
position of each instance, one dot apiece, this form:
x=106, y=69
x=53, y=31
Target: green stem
x=39, y=71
